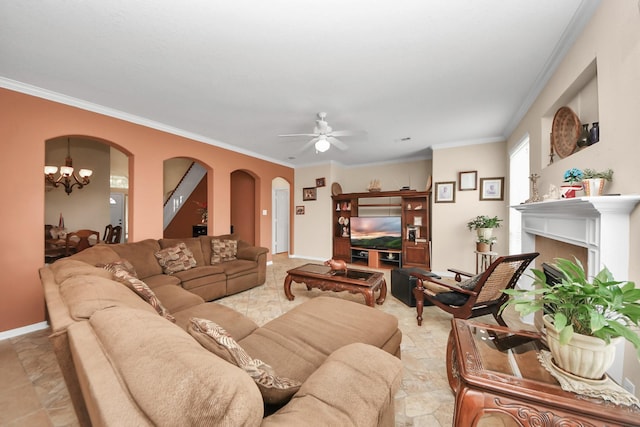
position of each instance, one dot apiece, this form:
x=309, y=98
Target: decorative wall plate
x=565, y=132
x=336, y=189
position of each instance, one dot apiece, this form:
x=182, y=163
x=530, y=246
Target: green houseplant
x=593, y=181
x=484, y=225
x=602, y=308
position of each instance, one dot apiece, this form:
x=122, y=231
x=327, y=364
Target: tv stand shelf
x=410, y=205
x=376, y=258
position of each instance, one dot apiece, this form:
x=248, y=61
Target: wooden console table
x=494, y=372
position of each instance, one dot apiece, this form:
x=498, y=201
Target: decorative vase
x=585, y=138
x=583, y=356
x=594, y=133
x=593, y=186
x=205, y=217
x=568, y=191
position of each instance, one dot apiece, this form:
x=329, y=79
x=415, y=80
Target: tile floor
x=32, y=391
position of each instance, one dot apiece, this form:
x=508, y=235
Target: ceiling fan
x=323, y=136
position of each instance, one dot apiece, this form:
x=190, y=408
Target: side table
x=495, y=372
x=484, y=260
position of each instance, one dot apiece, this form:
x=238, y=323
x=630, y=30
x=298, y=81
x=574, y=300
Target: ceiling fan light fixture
x=322, y=144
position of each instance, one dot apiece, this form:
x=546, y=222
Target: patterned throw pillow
x=471, y=282
x=223, y=250
x=143, y=290
x=176, y=258
x=215, y=338
x=121, y=264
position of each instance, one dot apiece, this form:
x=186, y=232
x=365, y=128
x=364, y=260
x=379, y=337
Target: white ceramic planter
x=583, y=356
x=484, y=232
x=593, y=186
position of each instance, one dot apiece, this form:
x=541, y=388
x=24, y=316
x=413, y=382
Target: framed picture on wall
x=445, y=192
x=299, y=210
x=468, y=180
x=492, y=188
x=309, y=193
x=320, y=182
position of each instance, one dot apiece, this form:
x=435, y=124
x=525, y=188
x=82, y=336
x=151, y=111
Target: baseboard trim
x=23, y=330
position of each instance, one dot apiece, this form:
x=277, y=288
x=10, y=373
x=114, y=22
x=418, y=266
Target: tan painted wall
x=29, y=121
x=612, y=38
x=453, y=244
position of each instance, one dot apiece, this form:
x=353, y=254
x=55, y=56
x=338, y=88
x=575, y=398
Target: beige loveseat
x=124, y=364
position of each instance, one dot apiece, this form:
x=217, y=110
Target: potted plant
x=484, y=245
x=573, y=178
x=593, y=181
x=484, y=225
x=580, y=314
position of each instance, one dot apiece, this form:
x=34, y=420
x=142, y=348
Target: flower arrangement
x=573, y=175
x=203, y=211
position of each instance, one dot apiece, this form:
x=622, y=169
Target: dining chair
x=80, y=240
x=478, y=295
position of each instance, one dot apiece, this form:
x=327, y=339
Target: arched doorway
x=92, y=206
x=185, y=198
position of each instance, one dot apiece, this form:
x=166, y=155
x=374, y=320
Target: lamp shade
x=50, y=170
x=85, y=173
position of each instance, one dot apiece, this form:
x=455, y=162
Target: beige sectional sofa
x=125, y=364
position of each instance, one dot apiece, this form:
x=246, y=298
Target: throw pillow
x=223, y=250
x=452, y=298
x=175, y=258
x=213, y=337
x=143, y=290
x=121, y=264
x=471, y=282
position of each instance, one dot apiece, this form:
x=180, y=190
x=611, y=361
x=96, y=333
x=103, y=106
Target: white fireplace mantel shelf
x=600, y=224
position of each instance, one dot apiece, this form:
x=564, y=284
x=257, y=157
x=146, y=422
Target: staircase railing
x=181, y=193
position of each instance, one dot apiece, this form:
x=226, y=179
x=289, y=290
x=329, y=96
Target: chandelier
x=67, y=177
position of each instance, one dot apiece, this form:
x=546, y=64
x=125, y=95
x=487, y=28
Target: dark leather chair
x=479, y=295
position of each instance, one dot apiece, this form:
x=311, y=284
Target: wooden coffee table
x=323, y=278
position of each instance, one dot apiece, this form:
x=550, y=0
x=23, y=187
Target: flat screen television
x=376, y=232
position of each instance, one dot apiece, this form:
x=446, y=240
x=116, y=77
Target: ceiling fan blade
x=300, y=134
x=308, y=144
x=343, y=133
x=338, y=144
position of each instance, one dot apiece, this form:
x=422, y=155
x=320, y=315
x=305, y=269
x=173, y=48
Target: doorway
x=281, y=216
x=518, y=191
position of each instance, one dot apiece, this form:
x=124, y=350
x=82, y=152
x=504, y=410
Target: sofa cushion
x=175, y=298
x=84, y=295
x=285, y=344
x=223, y=250
x=66, y=267
x=238, y=266
x=193, y=244
x=198, y=272
x=140, y=254
x=150, y=354
x=97, y=254
x=237, y=324
x=175, y=258
x=206, y=244
x=141, y=288
x=158, y=280
x=274, y=389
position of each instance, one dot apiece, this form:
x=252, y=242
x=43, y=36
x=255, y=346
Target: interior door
x=281, y=221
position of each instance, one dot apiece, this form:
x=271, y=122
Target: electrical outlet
x=629, y=386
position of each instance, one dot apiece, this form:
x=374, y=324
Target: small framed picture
x=417, y=221
x=299, y=210
x=468, y=180
x=492, y=188
x=320, y=182
x=309, y=193
x=445, y=192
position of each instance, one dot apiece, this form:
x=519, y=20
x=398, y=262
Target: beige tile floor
x=32, y=391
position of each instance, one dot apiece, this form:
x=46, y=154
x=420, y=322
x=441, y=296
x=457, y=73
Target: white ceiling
x=239, y=73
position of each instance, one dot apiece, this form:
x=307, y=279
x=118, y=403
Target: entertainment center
x=376, y=239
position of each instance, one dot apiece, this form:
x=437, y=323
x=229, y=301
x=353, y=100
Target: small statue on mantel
x=535, y=196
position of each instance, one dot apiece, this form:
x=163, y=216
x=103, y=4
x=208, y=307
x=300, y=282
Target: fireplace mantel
x=600, y=224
